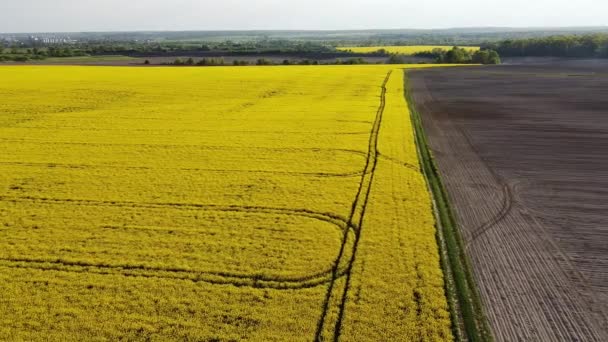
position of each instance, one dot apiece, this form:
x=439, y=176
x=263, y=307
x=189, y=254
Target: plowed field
x=523, y=152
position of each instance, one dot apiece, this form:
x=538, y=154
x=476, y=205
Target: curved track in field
x=134, y=270
x=109, y=166
x=349, y=173
x=505, y=209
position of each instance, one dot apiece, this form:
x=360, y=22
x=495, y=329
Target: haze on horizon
x=157, y=15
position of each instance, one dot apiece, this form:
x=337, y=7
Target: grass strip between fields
x=463, y=298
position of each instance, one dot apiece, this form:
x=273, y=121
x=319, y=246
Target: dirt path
x=523, y=154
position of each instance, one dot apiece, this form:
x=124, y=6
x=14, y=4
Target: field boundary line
x=466, y=309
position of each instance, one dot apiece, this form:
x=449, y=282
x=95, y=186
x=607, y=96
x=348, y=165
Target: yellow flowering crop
x=402, y=50
x=214, y=204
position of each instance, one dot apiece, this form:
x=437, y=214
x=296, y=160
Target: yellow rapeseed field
x=402, y=50
x=214, y=204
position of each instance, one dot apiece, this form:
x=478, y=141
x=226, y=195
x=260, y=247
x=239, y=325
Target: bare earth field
x=523, y=152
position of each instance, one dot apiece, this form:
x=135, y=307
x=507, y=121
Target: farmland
x=402, y=50
x=259, y=203
x=522, y=152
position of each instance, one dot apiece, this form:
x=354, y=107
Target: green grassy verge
x=468, y=320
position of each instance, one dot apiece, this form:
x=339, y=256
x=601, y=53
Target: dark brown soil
x=523, y=152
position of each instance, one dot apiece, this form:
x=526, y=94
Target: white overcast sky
x=122, y=15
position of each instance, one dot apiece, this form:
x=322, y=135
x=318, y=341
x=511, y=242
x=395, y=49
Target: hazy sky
x=117, y=15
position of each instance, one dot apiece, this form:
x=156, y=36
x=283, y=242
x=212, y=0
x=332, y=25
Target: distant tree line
x=260, y=61
x=16, y=54
x=453, y=37
x=308, y=55
x=462, y=56
x=24, y=51
x=590, y=45
x=202, y=62
x=19, y=54
x=172, y=47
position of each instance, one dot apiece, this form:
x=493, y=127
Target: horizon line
x=550, y=28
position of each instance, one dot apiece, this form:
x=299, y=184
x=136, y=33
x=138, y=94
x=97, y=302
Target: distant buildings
x=35, y=40
x=55, y=40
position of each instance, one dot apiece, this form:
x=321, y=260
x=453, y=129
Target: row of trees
x=15, y=58
x=260, y=61
x=202, y=62
x=20, y=55
x=17, y=54
x=169, y=47
x=592, y=45
x=462, y=56
x=165, y=48
x=214, y=62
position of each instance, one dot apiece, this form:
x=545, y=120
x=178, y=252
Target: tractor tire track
x=171, y=146
x=80, y=129
x=508, y=199
x=109, y=166
x=324, y=216
x=505, y=209
x=257, y=281
x=355, y=221
x=507, y=204
x=399, y=162
x=215, y=278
